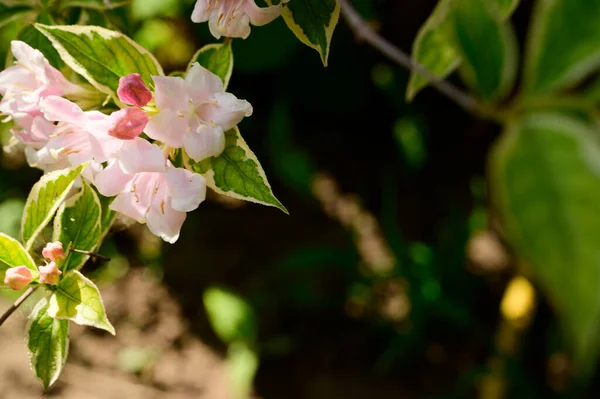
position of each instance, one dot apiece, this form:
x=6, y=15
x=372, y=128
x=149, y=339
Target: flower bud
x=132, y=90
x=18, y=277
x=53, y=251
x=49, y=274
x=128, y=123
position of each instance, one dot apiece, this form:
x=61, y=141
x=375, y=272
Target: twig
x=18, y=303
x=92, y=254
x=363, y=31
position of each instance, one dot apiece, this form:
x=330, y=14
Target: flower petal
x=202, y=11
x=60, y=109
x=140, y=155
x=112, y=180
x=169, y=93
x=204, y=142
x=165, y=222
x=126, y=204
x=261, y=16
x=168, y=127
x=226, y=112
x=187, y=189
x=201, y=84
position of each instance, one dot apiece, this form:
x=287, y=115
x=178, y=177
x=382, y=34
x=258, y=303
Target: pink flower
x=127, y=123
x=194, y=113
x=53, y=251
x=49, y=274
x=133, y=91
x=18, y=277
x=232, y=18
x=151, y=190
x=24, y=85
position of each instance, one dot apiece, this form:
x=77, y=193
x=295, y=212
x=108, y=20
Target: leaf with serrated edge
x=12, y=254
x=48, y=344
x=237, y=173
x=217, y=58
x=78, y=299
x=312, y=21
x=546, y=185
x=114, y=56
x=44, y=199
x=78, y=225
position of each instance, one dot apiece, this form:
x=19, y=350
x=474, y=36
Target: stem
x=364, y=32
x=92, y=254
x=18, y=303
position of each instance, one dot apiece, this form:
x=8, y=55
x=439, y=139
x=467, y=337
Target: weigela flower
x=18, y=277
x=53, y=251
x=194, y=113
x=150, y=189
x=232, y=18
x=23, y=86
x=49, y=274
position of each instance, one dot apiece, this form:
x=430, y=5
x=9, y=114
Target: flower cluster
x=20, y=277
x=232, y=18
x=191, y=113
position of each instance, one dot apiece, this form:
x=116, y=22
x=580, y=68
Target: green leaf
x=100, y=55
x=242, y=364
x=487, y=46
x=237, y=173
x=545, y=178
x=506, y=7
x=434, y=49
x=563, y=45
x=78, y=225
x=217, y=58
x=78, y=299
x=231, y=317
x=48, y=344
x=99, y=5
x=108, y=216
x=12, y=254
x=11, y=14
x=44, y=199
x=312, y=21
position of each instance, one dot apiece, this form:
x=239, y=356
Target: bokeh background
x=387, y=280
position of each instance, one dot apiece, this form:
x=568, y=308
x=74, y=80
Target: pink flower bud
x=132, y=90
x=53, y=251
x=18, y=277
x=49, y=274
x=128, y=123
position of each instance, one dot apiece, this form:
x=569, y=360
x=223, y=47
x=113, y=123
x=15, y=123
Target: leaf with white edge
x=78, y=299
x=312, y=21
x=12, y=254
x=101, y=56
x=44, y=199
x=78, y=224
x=237, y=173
x=48, y=344
x=487, y=46
x=563, y=45
x=545, y=178
x=434, y=47
x=217, y=58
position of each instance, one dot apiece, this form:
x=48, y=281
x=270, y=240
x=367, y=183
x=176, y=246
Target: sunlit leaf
x=12, y=254
x=48, y=344
x=217, y=58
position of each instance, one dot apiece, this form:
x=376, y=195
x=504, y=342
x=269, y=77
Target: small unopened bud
x=132, y=90
x=128, y=123
x=18, y=277
x=53, y=251
x=49, y=274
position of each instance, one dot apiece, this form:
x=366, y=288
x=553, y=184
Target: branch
x=363, y=31
x=18, y=303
